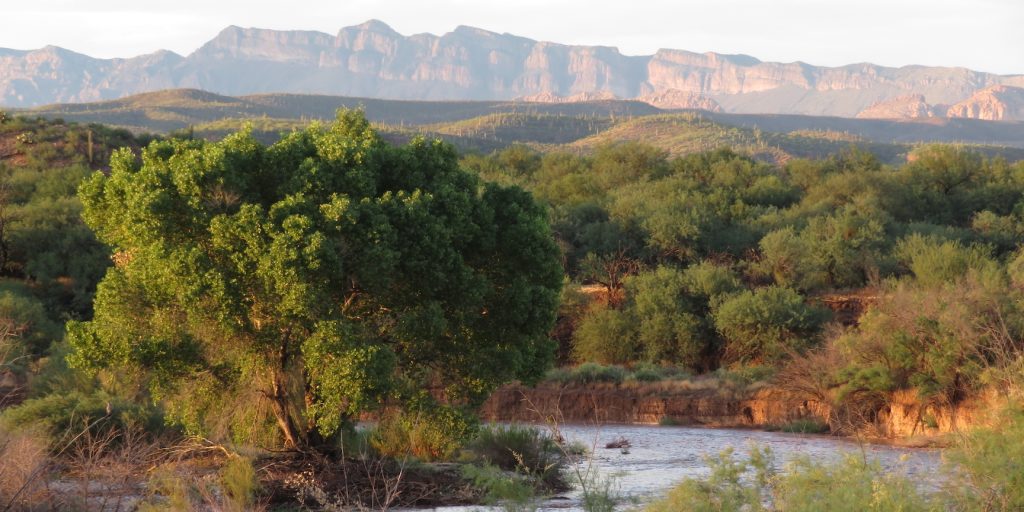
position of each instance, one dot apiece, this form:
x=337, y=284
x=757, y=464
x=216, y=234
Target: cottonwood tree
x=321, y=276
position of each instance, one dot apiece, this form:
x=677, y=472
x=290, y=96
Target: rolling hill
x=572, y=126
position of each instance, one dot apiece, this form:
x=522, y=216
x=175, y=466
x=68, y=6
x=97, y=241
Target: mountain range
x=374, y=61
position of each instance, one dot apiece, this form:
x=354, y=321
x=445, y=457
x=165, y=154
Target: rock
x=620, y=443
x=912, y=106
x=996, y=103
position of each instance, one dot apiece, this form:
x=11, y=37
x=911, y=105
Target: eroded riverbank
x=902, y=421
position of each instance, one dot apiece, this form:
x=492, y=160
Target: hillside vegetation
x=485, y=126
x=228, y=298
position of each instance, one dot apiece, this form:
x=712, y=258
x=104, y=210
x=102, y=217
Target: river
x=659, y=457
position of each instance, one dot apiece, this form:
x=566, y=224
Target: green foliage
x=733, y=485
x=744, y=375
x=427, y=436
x=664, y=319
x=592, y=372
x=805, y=426
x=600, y=492
x=606, y=336
x=767, y=324
x=513, y=492
x=48, y=241
x=1004, y=232
x=23, y=318
x=988, y=475
x=947, y=184
x=934, y=261
x=839, y=249
x=711, y=283
x=62, y=417
x=25, y=329
x=753, y=484
x=935, y=337
x=240, y=484
x=647, y=374
x=522, y=449
x=850, y=485
x=668, y=329
x=789, y=259
x=234, y=490
x=327, y=271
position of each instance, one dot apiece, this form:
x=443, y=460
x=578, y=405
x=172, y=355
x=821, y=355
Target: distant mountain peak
x=373, y=60
x=375, y=25
x=474, y=31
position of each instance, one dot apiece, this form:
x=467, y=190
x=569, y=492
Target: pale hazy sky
x=986, y=35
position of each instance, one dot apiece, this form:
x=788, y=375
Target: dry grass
x=24, y=463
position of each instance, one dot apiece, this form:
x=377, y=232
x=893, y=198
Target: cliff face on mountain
x=997, y=103
x=912, y=106
x=372, y=60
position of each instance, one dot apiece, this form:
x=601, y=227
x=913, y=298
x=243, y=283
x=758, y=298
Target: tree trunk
x=314, y=438
x=293, y=440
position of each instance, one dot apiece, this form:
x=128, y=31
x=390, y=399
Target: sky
x=985, y=35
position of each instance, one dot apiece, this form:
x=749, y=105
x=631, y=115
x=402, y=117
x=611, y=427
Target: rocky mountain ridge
x=372, y=60
x=995, y=103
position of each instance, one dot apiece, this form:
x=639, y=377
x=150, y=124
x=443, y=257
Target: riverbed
x=661, y=456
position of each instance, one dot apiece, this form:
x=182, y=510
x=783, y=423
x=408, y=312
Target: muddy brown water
x=660, y=457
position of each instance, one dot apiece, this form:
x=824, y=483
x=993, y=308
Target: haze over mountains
x=372, y=60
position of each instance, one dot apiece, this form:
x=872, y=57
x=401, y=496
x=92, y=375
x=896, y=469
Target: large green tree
x=320, y=276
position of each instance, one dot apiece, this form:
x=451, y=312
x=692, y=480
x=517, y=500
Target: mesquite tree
x=318, y=277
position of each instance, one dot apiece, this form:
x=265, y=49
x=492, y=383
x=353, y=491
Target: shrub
x=742, y=376
x=805, y=426
x=527, y=450
x=753, y=485
x=788, y=259
x=935, y=261
x=512, y=491
x=936, y=338
x=667, y=328
x=647, y=374
x=238, y=478
x=234, y=490
x=561, y=376
x=850, y=485
x=711, y=282
x=63, y=416
x=767, y=324
x=357, y=443
x=989, y=475
x=428, y=437
x=24, y=462
x=25, y=317
x=732, y=486
x=588, y=373
x=606, y=336
x=600, y=492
